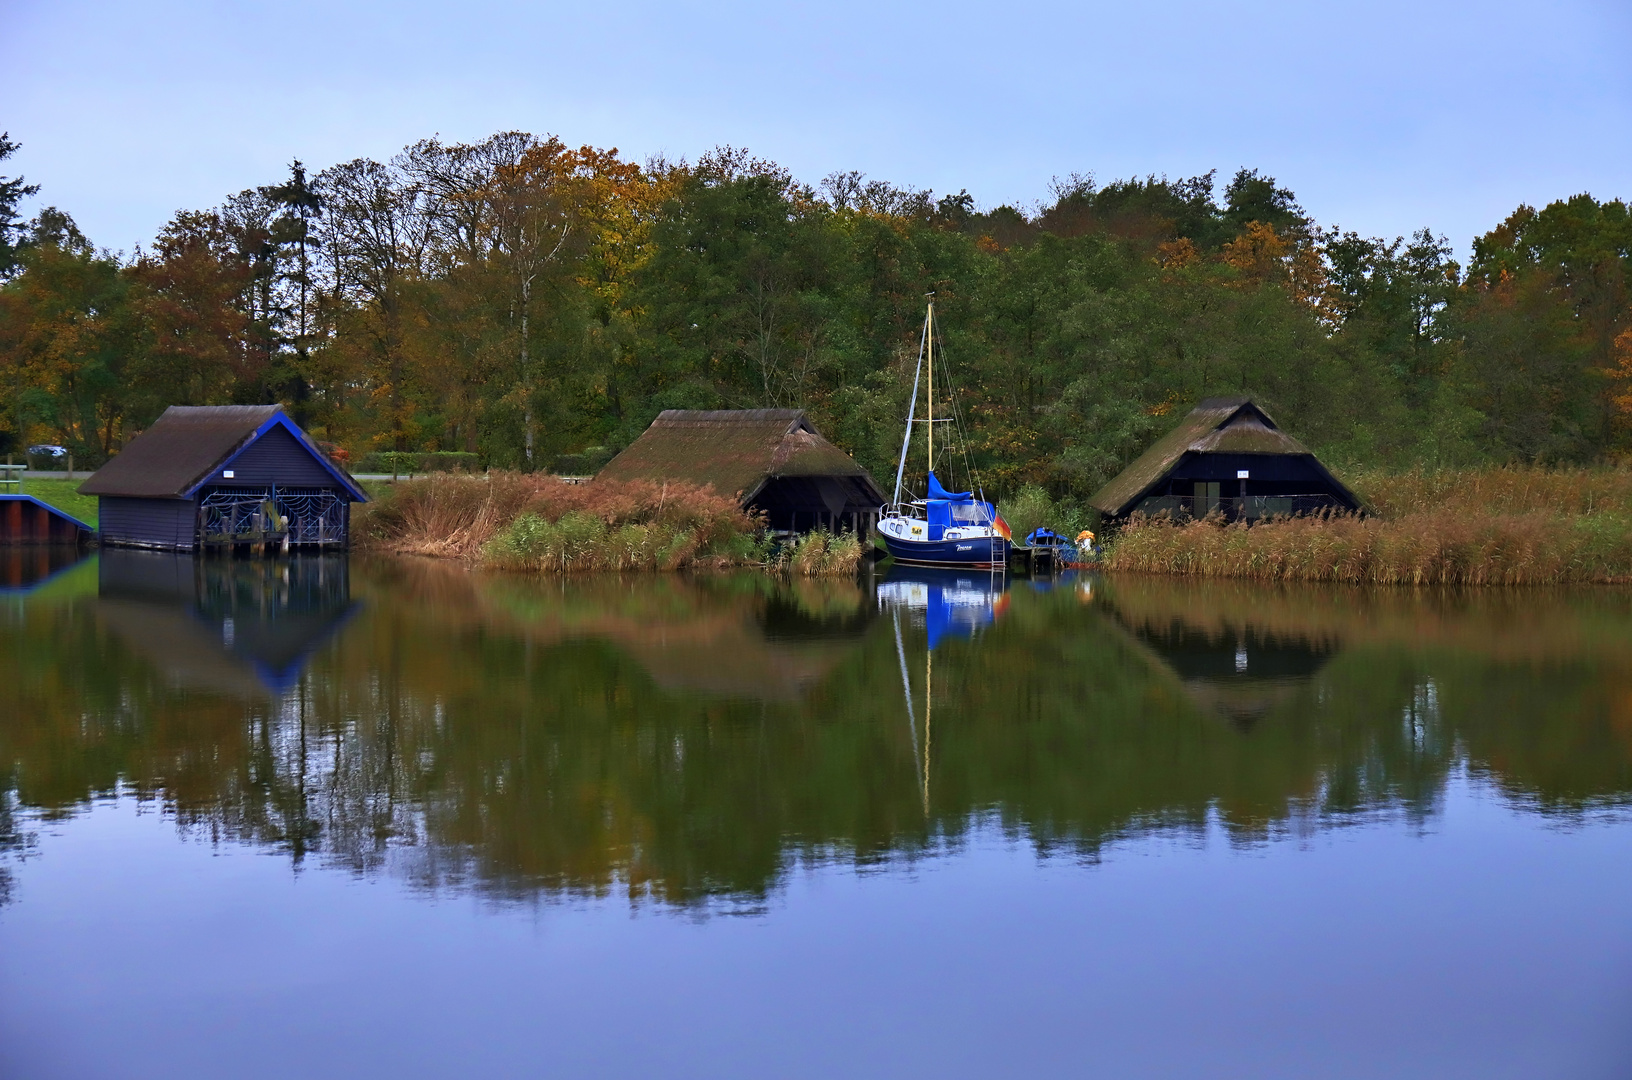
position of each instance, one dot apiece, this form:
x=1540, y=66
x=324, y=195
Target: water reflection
x=956, y=602
x=24, y=569
x=1228, y=664
x=692, y=738
x=241, y=626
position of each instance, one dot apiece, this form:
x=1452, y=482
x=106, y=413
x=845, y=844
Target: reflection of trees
x=522, y=735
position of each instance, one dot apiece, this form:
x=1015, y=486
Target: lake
x=322, y=817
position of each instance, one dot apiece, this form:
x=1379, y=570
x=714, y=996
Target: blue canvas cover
x=936, y=491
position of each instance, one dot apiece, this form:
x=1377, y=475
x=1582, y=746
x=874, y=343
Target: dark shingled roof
x=735, y=451
x=185, y=445
x=1222, y=425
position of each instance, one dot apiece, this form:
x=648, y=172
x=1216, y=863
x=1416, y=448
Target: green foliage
x=408, y=463
x=1032, y=508
x=537, y=307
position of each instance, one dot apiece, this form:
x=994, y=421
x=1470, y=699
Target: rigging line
x=912, y=408
x=968, y=463
x=957, y=414
x=906, y=687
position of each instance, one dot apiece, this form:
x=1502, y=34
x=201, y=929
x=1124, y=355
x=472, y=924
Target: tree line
x=524, y=300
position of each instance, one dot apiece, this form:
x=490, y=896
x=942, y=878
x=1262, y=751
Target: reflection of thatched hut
x=772, y=460
x=1227, y=456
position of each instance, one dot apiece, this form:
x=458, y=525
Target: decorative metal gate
x=257, y=515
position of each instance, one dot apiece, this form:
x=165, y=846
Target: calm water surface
x=395, y=819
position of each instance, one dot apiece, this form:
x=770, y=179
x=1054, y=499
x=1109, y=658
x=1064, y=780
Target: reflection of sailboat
x=953, y=602
x=243, y=627
x=944, y=528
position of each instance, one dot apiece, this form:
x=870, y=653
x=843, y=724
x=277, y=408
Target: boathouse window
x=1207, y=497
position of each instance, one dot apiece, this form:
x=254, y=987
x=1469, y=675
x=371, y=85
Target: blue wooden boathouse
x=226, y=476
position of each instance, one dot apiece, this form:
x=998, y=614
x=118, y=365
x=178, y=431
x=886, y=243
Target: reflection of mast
x=906, y=687
x=929, y=701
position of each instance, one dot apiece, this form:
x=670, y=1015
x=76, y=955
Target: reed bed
x=512, y=521
x=823, y=554
x=1491, y=527
x=521, y=522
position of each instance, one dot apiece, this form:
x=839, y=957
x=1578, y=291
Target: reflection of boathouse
x=203, y=477
x=244, y=627
x=773, y=460
x=1231, y=663
x=1226, y=457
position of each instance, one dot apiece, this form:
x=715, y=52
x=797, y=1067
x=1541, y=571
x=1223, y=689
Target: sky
x=1383, y=117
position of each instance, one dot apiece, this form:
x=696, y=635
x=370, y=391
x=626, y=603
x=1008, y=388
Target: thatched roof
x=735, y=451
x=188, y=444
x=1223, y=425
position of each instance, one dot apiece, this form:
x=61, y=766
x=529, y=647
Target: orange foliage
x=1177, y=254
x=1622, y=374
x=1259, y=252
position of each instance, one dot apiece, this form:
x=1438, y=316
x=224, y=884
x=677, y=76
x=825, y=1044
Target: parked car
x=47, y=450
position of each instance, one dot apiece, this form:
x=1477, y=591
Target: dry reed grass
x=539, y=523
x=1503, y=490
x=1466, y=527
x=824, y=554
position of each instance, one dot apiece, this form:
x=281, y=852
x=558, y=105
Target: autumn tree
x=13, y=190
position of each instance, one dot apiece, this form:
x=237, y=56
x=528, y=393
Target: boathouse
x=773, y=460
x=226, y=476
x=1226, y=457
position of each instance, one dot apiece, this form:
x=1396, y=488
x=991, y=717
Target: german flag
x=1001, y=527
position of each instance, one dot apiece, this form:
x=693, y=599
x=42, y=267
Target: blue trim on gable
x=281, y=419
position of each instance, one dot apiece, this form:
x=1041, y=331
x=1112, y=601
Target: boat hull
x=979, y=554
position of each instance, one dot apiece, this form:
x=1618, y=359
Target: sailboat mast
x=929, y=334
x=912, y=406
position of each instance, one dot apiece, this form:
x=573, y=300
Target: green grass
x=62, y=494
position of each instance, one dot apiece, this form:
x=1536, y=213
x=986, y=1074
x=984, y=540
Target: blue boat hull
x=979, y=554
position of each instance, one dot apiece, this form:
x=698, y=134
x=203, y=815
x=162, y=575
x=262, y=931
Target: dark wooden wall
x=162, y=523
x=277, y=458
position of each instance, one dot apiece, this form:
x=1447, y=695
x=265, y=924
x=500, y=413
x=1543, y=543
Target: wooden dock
x=1033, y=560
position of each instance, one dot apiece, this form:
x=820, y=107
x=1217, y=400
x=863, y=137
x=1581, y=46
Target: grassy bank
x=64, y=495
x=539, y=524
x=1506, y=526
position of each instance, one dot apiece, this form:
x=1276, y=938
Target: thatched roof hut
x=773, y=460
x=1226, y=456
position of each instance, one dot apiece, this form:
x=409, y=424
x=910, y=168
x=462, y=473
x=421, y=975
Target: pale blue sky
x=1383, y=116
